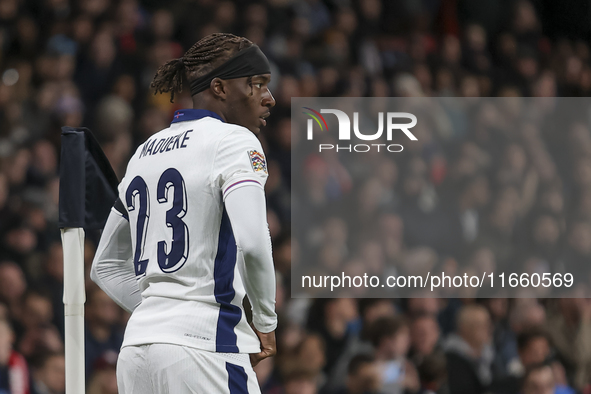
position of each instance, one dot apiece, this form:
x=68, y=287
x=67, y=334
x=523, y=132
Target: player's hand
x=268, y=346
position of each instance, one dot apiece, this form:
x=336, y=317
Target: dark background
x=90, y=62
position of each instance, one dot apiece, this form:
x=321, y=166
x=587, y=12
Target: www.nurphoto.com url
x=441, y=280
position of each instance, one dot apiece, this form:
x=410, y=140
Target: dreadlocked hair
x=204, y=56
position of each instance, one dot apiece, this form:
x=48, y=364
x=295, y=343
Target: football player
x=188, y=237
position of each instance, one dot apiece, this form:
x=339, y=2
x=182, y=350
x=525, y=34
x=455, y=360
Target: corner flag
x=88, y=190
x=88, y=184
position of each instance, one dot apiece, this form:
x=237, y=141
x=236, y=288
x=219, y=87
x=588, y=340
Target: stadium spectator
x=363, y=376
x=37, y=310
x=331, y=319
x=433, y=374
x=503, y=337
x=534, y=349
x=390, y=337
x=300, y=381
x=104, y=379
x=541, y=379
x=569, y=329
x=40, y=339
x=268, y=376
x=52, y=279
x=469, y=352
x=102, y=334
x=49, y=374
x=424, y=337
x=14, y=373
x=12, y=287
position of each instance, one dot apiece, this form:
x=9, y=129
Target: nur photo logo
x=391, y=119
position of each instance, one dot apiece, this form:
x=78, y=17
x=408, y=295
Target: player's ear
x=218, y=88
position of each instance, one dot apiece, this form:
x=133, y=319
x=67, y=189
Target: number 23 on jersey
x=171, y=185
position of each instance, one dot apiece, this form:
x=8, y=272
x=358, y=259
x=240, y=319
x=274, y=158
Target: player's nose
x=268, y=99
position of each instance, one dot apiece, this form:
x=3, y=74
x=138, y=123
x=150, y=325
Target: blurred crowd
x=90, y=62
x=495, y=185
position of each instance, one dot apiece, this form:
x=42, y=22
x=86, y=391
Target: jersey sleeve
x=112, y=268
x=240, y=161
x=247, y=212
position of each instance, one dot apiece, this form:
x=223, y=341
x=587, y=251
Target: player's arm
x=247, y=212
x=240, y=171
x=112, y=268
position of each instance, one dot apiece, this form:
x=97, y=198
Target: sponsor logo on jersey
x=257, y=160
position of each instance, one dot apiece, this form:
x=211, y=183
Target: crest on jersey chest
x=257, y=160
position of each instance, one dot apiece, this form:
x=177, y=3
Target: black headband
x=244, y=63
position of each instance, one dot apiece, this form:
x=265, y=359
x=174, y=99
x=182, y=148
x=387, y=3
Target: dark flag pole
x=88, y=190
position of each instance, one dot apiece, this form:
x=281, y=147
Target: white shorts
x=172, y=369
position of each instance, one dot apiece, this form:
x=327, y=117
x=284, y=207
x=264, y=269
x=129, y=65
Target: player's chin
x=255, y=129
x=256, y=125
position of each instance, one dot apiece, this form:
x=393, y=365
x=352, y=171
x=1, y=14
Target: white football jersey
x=185, y=255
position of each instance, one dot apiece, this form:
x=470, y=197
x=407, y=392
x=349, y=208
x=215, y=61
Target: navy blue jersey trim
x=237, y=379
x=183, y=115
x=119, y=207
x=223, y=276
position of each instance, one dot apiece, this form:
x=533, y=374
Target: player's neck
x=201, y=101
